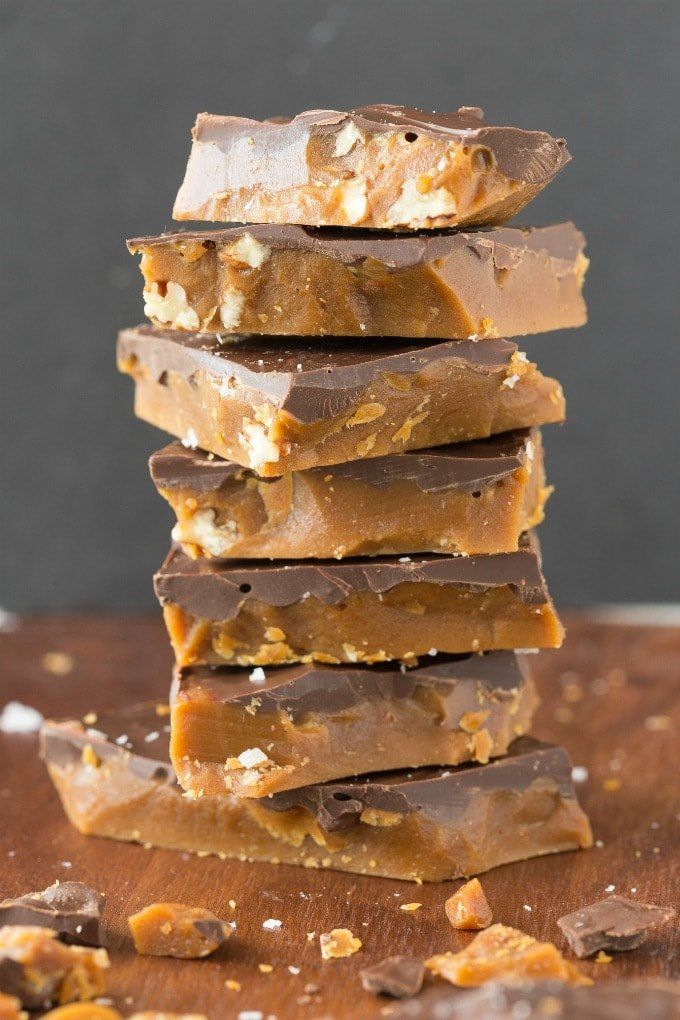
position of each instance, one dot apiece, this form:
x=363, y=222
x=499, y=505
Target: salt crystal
x=579, y=774
x=190, y=440
x=271, y=924
x=251, y=757
x=257, y=676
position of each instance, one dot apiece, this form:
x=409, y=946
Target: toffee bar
x=280, y=408
x=430, y=824
x=287, y=280
x=256, y=733
x=354, y=610
x=378, y=166
x=475, y=497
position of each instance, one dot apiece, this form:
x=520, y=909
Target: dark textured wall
x=98, y=98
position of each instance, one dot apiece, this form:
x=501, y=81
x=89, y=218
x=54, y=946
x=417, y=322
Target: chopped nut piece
x=468, y=908
x=338, y=943
x=409, y=907
x=173, y=929
x=507, y=955
x=59, y=663
x=40, y=970
x=398, y=976
x=602, y=957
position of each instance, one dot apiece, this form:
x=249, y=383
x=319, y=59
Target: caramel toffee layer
x=378, y=166
x=429, y=824
x=276, y=408
x=475, y=497
x=354, y=610
x=287, y=280
x=257, y=733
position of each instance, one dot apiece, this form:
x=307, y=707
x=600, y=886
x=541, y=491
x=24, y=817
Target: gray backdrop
x=98, y=100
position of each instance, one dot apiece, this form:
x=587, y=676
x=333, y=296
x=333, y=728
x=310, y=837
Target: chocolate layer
x=316, y=687
x=309, y=380
x=217, y=589
x=466, y=466
x=443, y=793
x=615, y=923
x=562, y=243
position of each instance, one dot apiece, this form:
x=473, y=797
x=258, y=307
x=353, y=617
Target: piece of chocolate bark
x=256, y=733
x=428, y=824
x=283, y=280
x=71, y=909
x=546, y=1000
x=475, y=497
x=354, y=610
x=288, y=407
x=615, y=923
x=380, y=166
x=400, y=977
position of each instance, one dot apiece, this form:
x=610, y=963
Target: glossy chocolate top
x=309, y=379
x=442, y=793
x=72, y=909
x=466, y=466
x=545, y=1000
x=616, y=922
x=531, y=156
x=461, y=680
x=216, y=589
x=562, y=243
x=133, y=737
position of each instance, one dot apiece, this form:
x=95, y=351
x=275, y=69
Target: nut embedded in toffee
x=475, y=497
x=321, y=722
x=378, y=166
x=428, y=824
x=286, y=407
x=354, y=610
x=615, y=923
x=509, y=281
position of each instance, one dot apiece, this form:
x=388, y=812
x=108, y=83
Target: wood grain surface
x=610, y=695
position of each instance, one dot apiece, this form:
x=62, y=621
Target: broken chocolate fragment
x=545, y=1000
x=72, y=909
x=475, y=497
x=354, y=610
x=277, y=408
x=417, y=825
x=616, y=923
x=380, y=166
x=401, y=977
x=293, y=281
x=442, y=712
x=508, y=955
x=173, y=929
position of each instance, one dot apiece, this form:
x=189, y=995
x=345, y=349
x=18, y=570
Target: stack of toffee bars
x=358, y=473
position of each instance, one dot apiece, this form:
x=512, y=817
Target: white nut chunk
x=347, y=137
x=247, y=249
x=201, y=530
x=259, y=447
x=414, y=206
x=231, y=308
x=354, y=201
x=172, y=307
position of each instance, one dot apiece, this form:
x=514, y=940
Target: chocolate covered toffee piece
x=255, y=733
x=279, y=408
x=174, y=929
x=354, y=610
x=475, y=497
x=506, y=281
x=427, y=824
x=377, y=166
x=39, y=970
x=615, y=923
x=72, y=909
